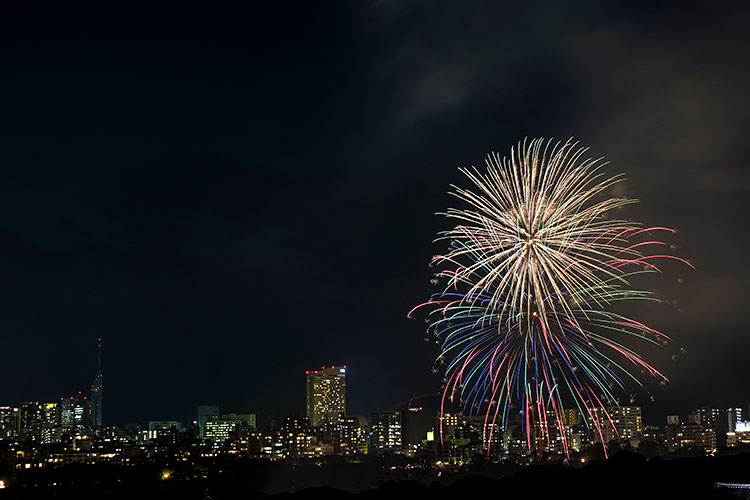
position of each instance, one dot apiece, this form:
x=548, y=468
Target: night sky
x=231, y=196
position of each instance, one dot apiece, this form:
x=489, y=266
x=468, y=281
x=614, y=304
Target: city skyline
x=330, y=398
x=254, y=189
x=69, y=431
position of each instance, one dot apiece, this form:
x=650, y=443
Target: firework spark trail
x=533, y=266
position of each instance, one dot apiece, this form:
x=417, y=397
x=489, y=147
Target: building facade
x=204, y=414
x=326, y=394
x=385, y=432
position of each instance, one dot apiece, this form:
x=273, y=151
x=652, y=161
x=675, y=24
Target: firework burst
x=533, y=266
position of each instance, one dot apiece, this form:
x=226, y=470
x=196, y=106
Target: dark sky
x=230, y=196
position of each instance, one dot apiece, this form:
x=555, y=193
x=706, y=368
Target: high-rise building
x=30, y=415
x=385, y=431
x=617, y=423
x=97, y=391
x=326, y=394
x=353, y=433
x=628, y=422
x=9, y=417
x=716, y=418
x=204, y=414
x=34, y=418
x=75, y=411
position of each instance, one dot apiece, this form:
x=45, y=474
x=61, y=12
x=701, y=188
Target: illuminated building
x=572, y=417
x=97, y=391
x=734, y=415
x=326, y=394
x=9, y=418
x=295, y=435
x=385, y=431
x=30, y=415
x=34, y=418
x=219, y=430
x=691, y=436
x=248, y=421
x=163, y=430
x=447, y=424
x=740, y=435
x=204, y=414
x=626, y=424
x=353, y=434
x=50, y=421
x=716, y=417
x=75, y=411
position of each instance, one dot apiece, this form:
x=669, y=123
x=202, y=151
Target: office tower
x=75, y=411
x=30, y=415
x=34, y=418
x=326, y=394
x=220, y=429
x=230, y=425
x=9, y=417
x=50, y=415
x=97, y=391
x=50, y=423
x=205, y=414
x=385, y=431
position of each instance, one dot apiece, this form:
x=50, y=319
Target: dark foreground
x=624, y=476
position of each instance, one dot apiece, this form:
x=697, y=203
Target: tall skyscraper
x=326, y=394
x=97, y=390
x=73, y=412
